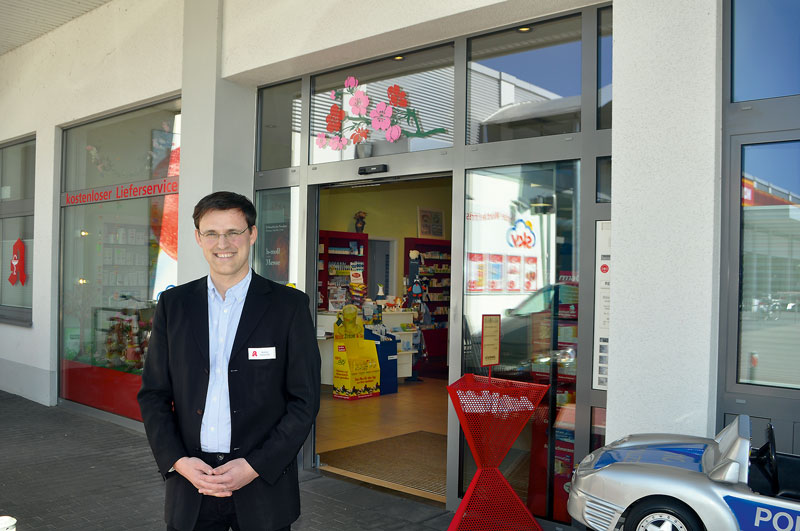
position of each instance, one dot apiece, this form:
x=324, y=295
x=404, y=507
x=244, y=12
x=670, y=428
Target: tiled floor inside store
x=420, y=406
x=398, y=441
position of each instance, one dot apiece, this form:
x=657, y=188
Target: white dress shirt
x=223, y=321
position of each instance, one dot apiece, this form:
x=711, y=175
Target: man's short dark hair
x=224, y=201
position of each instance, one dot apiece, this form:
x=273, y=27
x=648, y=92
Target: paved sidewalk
x=68, y=471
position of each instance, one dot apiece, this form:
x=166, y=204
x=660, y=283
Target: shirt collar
x=236, y=292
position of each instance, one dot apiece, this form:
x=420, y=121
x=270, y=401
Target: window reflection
x=605, y=45
x=396, y=105
x=525, y=82
x=137, y=146
x=277, y=245
x=280, y=126
x=769, y=327
x=766, y=49
x=17, y=164
x=521, y=256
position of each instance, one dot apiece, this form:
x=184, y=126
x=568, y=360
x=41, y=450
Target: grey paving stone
x=70, y=472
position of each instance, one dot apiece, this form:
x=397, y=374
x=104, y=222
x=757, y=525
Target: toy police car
x=679, y=483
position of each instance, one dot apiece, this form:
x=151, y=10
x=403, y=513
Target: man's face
x=227, y=256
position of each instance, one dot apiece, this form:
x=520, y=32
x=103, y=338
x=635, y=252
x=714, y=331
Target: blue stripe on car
x=685, y=456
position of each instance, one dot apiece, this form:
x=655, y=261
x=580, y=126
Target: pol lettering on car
x=759, y=516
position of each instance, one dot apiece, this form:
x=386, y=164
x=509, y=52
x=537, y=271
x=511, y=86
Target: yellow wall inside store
x=391, y=211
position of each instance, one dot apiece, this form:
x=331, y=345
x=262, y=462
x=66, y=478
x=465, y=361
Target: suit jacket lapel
x=252, y=312
x=198, y=317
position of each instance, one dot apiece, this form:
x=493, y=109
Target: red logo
x=255, y=354
x=604, y=268
x=18, y=263
x=341, y=348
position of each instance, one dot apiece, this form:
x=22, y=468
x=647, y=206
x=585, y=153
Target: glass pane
x=770, y=265
x=391, y=106
x=604, y=179
x=280, y=126
x=604, y=53
x=525, y=82
x=17, y=164
x=598, y=428
x=16, y=262
x=521, y=255
x=135, y=146
x=766, y=49
x=277, y=244
x=117, y=258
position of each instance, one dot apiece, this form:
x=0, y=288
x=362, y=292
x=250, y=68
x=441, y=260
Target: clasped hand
x=220, y=481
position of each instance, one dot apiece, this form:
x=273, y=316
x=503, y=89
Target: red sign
x=18, y=263
x=123, y=192
x=604, y=268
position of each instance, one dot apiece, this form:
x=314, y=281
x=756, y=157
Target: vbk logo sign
x=521, y=235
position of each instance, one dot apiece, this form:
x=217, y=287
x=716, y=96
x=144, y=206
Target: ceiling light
x=398, y=57
x=524, y=29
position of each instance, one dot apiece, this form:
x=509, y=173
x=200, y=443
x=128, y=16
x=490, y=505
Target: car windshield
x=538, y=302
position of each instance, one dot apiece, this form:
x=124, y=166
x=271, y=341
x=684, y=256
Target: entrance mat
x=417, y=460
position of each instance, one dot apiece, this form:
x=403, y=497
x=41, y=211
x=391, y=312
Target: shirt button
x=225, y=310
x=217, y=371
x=212, y=428
x=214, y=399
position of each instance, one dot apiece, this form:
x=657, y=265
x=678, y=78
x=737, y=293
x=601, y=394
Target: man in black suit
x=230, y=387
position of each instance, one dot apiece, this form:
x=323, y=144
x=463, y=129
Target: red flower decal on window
x=360, y=135
x=335, y=118
x=397, y=96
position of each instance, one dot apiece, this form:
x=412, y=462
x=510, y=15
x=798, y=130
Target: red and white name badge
x=261, y=353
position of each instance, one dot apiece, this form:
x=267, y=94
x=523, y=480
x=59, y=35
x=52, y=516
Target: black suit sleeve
x=302, y=398
x=156, y=397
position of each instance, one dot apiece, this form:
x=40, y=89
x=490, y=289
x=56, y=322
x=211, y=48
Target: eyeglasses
x=232, y=236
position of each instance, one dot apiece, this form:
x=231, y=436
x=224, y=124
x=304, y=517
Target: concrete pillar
x=666, y=217
x=217, y=131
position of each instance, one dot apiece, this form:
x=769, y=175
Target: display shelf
x=339, y=253
x=436, y=254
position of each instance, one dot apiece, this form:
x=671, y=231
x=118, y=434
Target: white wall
x=665, y=212
x=264, y=42
x=122, y=54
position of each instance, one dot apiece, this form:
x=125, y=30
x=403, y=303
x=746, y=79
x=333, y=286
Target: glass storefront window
x=118, y=257
x=598, y=436
x=396, y=105
x=17, y=235
x=280, y=126
x=119, y=250
x=17, y=165
x=603, y=180
x=770, y=265
x=605, y=46
x=132, y=147
x=277, y=245
x=525, y=82
x=521, y=260
x=765, y=49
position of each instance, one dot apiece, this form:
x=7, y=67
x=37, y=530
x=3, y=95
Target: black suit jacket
x=273, y=401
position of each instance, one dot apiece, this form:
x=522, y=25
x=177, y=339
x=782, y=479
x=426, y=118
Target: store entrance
x=383, y=301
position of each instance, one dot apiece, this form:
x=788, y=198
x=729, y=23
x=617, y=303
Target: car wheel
x=662, y=514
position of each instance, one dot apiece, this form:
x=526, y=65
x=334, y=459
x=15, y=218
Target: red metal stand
x=492, y=413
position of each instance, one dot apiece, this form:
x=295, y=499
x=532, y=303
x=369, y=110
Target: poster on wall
x=430, y=223
x=513, y=273
x=476, y=273
x=602, y=303
x=496, y=273
x=276, y=251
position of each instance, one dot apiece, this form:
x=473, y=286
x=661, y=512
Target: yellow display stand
x=356, y=372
